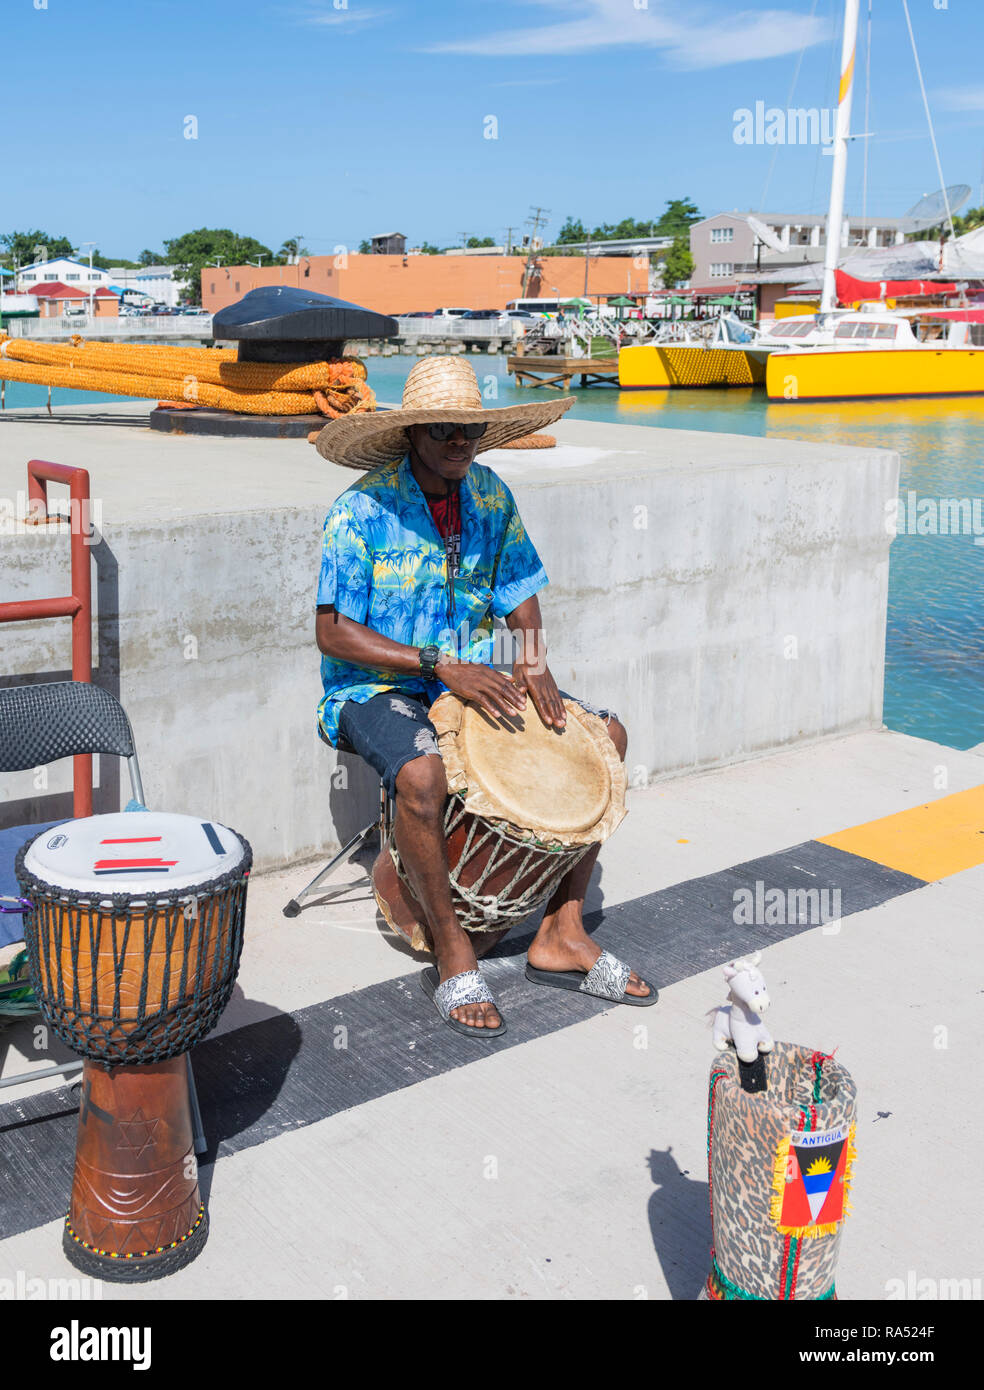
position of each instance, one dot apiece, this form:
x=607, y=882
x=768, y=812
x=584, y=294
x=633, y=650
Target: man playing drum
x=417, y=557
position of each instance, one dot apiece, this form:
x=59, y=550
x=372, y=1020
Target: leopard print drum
x=779, y=1170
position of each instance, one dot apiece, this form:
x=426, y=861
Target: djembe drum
x=133, y=937
x=525, y=803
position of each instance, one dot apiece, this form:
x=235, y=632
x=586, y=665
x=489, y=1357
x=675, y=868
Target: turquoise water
x=935, y=637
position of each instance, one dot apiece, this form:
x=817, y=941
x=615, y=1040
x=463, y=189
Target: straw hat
x=438, y=390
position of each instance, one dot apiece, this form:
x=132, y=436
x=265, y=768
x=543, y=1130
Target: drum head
x=542, y=779
x=134, y=852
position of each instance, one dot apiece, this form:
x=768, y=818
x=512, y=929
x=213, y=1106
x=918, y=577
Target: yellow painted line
x=929, y=841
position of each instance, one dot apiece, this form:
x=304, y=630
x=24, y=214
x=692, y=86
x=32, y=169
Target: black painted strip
x=212, y=837
x=293, y=1070
x=134, y=872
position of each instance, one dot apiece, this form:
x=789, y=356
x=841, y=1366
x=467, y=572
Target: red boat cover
x=849, y=289
x=956, y=315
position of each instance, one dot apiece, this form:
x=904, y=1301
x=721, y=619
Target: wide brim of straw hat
x=434, y=394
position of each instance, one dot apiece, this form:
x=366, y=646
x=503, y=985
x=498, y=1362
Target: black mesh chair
x=38, y=725
x=382, y=825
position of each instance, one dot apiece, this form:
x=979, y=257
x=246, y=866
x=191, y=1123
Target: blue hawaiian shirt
x=383, y=563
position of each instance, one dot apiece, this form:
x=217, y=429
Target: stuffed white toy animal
x=739, y=1021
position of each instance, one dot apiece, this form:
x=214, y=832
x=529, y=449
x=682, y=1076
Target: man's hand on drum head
x=493, y=691
x=543, y=689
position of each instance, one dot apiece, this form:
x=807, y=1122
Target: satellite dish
x=931, y=210
x=768, y=237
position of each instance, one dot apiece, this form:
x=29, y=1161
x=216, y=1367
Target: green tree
x=572, y=230
x=678, y=264
x=677, y=219
x=20, y=246
x=291, y=247
x=974, y=217
x=148, y=257
x=365, y=247
x=192, y=251
x=474, y=243
x=426, y=249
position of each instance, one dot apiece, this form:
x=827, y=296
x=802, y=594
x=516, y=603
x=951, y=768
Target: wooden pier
x=558, y=372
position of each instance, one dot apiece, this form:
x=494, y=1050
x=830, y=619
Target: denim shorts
x=392, y=729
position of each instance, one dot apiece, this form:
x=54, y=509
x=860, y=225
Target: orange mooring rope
x=192, y=376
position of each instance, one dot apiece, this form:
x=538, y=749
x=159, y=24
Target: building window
x=51, y=277
x=73, y=277
x=722, y=233
x=213, y=286
x=721, y=269
x=237, y=286
x=29, y=277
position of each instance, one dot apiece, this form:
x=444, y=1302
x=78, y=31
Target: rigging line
x=929, y=118
x=789, y=100
x=867, y=122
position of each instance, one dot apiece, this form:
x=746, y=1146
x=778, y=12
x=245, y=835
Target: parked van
x=449, y=313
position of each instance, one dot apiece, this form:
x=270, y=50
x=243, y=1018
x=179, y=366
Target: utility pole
x=536, y=220
x=587, y=253
x=509, y=237
x=91, y=245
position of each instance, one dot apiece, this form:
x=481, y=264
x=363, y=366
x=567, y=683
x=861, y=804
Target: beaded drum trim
x=135, y=1254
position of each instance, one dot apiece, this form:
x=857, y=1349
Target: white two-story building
x=66, y=271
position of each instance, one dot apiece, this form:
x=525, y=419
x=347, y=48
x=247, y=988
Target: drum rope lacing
x=203, y=923
x=484, y=911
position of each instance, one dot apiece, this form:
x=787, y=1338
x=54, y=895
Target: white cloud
x=961, y=99
x=690, y=37
x=328, y=15
x=529, y=82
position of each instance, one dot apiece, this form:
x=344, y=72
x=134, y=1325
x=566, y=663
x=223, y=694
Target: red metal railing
x=78, y=604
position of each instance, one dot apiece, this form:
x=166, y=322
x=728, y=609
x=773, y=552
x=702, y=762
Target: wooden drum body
x=134, y=938
x=525, y=804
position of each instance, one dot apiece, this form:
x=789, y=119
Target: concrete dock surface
x=360, y=1149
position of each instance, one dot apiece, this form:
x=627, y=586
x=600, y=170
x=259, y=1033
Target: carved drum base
x=136, y=1211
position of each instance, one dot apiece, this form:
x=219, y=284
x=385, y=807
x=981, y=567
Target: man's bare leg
x=421, y=789
x=562, y=943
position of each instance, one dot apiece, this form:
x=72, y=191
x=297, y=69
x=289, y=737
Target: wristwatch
x=429, y=657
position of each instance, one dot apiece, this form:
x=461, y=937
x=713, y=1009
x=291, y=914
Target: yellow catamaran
x=864, y=352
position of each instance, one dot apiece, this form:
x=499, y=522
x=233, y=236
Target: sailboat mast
x=838, y=177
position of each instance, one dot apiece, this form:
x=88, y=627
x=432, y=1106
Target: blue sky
x=336, y=121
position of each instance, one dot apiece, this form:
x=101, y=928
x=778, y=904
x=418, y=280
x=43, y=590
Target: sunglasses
x=441, y=433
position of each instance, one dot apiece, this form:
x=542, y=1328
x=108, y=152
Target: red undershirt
x=445, y=508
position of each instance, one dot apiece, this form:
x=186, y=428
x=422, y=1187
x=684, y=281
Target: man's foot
x=456, y=962
x=562, y=945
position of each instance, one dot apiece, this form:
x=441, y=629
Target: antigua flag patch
x=812, y=1175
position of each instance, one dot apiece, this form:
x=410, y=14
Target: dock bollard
x=779, y=1166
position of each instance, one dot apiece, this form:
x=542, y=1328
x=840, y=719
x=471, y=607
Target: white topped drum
x=135, y=852
x=136, y=930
